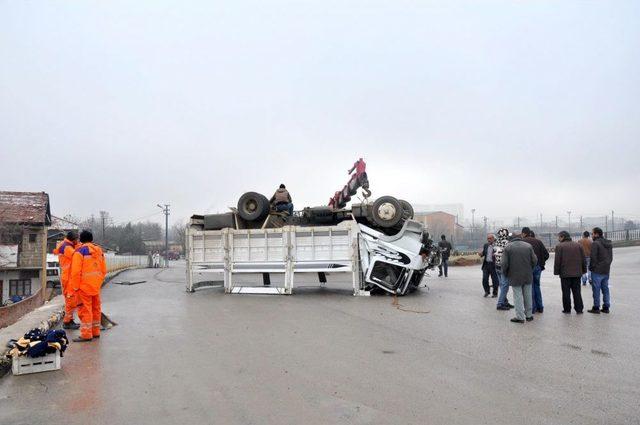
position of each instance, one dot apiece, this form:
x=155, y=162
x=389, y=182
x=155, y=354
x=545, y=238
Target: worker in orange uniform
x=88, y=270
x=64, y=251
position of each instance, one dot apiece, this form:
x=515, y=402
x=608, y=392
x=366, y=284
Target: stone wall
x=32, y=247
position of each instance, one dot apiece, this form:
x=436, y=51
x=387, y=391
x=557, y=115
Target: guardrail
x=623, y=235
x=120, y=262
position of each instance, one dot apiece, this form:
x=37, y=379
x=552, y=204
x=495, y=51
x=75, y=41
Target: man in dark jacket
x=445, y=251
x=601, y=258
x=489, y=266
x=543, y=255
x=570, y=265
x=518, y=261
x=281, y=200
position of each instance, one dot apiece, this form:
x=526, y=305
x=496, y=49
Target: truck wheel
x=407, y=209
x=253, y=206
x=386, y=211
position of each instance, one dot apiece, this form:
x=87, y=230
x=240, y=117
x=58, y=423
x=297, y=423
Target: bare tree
x=178, y=234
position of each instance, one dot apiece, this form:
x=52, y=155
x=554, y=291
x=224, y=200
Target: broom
x=105, y=321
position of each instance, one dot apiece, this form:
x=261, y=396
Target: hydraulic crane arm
x=358, y=180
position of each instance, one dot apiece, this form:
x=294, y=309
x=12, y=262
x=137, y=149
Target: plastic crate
x=24, y=365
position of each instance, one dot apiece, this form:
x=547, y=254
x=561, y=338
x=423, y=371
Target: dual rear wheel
x=253, y=206
x=388, y=211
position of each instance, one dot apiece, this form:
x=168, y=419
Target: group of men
x=83, y=269
x=517, y=261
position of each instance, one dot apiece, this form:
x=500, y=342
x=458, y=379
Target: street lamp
x=473, y=226
x=165, y=210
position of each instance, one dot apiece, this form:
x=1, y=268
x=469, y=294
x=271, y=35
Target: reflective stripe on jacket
x=88, y=269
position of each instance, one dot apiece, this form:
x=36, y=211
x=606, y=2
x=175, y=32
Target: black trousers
x=489, y=269
x=571, y=285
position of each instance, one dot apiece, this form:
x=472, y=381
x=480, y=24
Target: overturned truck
x=253, y=249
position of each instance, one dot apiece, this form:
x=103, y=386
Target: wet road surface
x=443, y=355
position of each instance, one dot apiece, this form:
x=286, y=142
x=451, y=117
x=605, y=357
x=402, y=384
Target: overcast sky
x=512, y=108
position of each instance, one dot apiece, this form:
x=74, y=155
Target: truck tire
x=253, y=206
x=407, y=209
x=386, y=211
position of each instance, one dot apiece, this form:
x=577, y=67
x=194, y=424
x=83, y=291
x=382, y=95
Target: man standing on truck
x=445, y=251
x=281, y=200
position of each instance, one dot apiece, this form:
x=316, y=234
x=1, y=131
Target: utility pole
x=556, y=224
x=569, y=225
x=473, y=223
x=518, y=221
x=581, y=226
x=485, y=224
x=103, y=217
x=613, y=223
x=541, y=222
x=165, y=210
x=606, y=223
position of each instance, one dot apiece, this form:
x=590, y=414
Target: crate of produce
x=24, y=365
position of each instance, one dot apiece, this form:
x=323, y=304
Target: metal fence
x=119, y=262
x=550, y=239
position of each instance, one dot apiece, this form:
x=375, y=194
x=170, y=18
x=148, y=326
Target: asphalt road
x=442, y=356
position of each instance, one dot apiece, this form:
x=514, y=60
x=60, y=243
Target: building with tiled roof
x=24, y=220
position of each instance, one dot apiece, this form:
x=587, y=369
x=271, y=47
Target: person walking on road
x=498, y=246
x=570, y=265
x=281, y=200
x=543, y=255
x=518, y=261
x=585, y=241
x=88, y=269
x=156, y=259
x=64, y=251
x=445, y=251
x=601, y=258
x=489, y=266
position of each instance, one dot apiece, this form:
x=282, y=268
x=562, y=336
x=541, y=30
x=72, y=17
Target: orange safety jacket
x=88, y=269
x=64, y=250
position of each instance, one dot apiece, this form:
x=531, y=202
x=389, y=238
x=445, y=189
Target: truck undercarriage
x=377, y=242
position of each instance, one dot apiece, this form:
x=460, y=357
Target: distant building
x=24, y=219
x=456, y=210
x=158, y=245
x=440, y=223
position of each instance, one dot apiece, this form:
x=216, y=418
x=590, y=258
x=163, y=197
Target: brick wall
x=11, y=313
